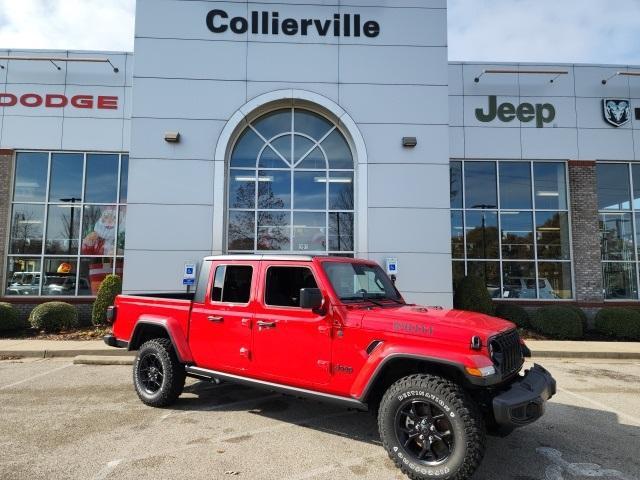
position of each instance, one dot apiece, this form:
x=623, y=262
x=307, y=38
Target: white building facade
x=322, y=128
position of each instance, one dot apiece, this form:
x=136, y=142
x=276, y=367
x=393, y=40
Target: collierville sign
x=542, y=113
x=56, y=100
x=269, y=23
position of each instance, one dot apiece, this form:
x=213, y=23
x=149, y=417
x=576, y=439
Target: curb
x=103, y=360
x=62, y=353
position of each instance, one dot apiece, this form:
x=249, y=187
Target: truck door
x=220, y=331
x=291, y=344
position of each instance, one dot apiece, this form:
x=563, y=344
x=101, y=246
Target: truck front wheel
x=431, y=429
x=158, y=376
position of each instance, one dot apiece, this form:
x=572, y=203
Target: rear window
x=284, y=284
x=232, y=284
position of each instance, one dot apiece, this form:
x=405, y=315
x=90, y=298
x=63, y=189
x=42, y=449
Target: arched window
x=290, y=186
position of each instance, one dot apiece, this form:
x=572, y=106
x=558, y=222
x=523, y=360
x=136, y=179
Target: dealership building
x=316, y=127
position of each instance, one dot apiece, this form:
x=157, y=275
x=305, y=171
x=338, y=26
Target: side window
x=232, y=284
x=284, y=284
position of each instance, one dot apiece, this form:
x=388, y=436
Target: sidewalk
x=539, y=349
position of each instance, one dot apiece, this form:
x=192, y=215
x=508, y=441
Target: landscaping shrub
x=619, y=323
x=559, y=322
x=581, y=313
x=9, y=318
x=514, y=313
x=111, y=286
x=472, y=295
x=54, y=316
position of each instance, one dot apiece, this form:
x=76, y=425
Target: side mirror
x=311, y=298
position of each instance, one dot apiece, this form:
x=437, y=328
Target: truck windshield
x=357, y=282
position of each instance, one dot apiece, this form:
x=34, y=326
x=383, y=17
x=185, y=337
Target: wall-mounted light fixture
x=409, y=142
x=172, y=137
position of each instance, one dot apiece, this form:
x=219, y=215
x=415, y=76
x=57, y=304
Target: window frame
x=501, y=260
x=42, y=257
x=266, y=277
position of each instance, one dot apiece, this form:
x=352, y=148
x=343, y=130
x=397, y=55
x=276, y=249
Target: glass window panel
x=554, y=280
x=59, y=277
x=482, y=234
x=341, y=226
x=242, y=189
x=550, y=185
x=23, y=276
x=635, y=170
x=63, y=229
x=517, y=235
x=616, y=236
x=274, y=189
x=99, y=230
x=455, y=184
x=314, y=160
x=93, y=271
x=270, y=159
x=613, y=186
x=341, y=191
x=489, y=272
x=552, y=233
x=515, y=185
x=237, y=284
x=27, y=224
x=519, y=280
x=457, y=270
x=302, y=145
x=619, y=280
x=337, y=150
x=122, y=230
x=274, y=123
x=66, y=177
x=242, y=230
x=218, y=284
x=480, y=185
x=311, y=124
x=309, y=231
x=283, y=146
x=245, y=153
x=31, y=177
x=124, y=178
x=274, y=231
x=457, y=234
x=101, y=178
x=310, y=190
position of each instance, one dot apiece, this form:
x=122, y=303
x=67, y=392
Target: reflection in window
x=65, y=240
x=291, y=186
x=509, y=226
x=613, y=186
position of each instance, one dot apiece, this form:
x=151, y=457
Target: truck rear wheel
x=158, y=376
x=431, y=429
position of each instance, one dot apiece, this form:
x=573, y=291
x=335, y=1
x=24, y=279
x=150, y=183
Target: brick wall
x=6, y=162
x=586, y=238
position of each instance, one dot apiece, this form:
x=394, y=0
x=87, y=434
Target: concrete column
x=584, y=226
x=6, y=172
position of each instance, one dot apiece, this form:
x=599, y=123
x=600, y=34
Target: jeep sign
x=525, y=112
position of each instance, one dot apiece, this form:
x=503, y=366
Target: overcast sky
x=588, y=31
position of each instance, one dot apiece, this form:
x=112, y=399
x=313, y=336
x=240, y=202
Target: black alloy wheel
x=150, y=373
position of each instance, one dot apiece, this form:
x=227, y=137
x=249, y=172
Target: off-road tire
x=462, y=415
x=173, y=373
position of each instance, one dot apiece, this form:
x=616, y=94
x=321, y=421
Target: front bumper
x=524, y=402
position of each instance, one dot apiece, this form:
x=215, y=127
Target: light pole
x=484, y=207
x=72, y=201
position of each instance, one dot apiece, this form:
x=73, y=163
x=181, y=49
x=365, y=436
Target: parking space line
x=107, y=469
x=43, y=374
x=602, y=406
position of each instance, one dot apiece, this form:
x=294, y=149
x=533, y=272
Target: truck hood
x=455, y=325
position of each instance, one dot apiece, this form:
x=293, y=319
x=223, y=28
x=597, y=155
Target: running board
x=203, y=373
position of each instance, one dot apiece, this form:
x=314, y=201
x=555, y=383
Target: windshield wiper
x=365, y=297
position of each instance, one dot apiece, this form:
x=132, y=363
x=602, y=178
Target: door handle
x=262, y=324
x=214, y=319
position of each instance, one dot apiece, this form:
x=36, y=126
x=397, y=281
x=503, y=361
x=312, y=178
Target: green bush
x=9, y=318
x=472, y=295
x=581, y=313
x=111, y=286
x=514, y=313
x=558, y=321
x=619, y=323
x=54, y=316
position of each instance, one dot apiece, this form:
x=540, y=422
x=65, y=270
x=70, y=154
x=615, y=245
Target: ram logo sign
x=616, y=112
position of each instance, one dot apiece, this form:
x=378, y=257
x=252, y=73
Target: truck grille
x=506, y=352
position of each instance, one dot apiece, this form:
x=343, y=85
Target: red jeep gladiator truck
x=337, y=329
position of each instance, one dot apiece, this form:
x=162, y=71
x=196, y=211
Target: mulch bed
x=85, y=333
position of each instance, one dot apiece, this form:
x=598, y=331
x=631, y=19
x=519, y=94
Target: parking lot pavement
x=65, y=421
